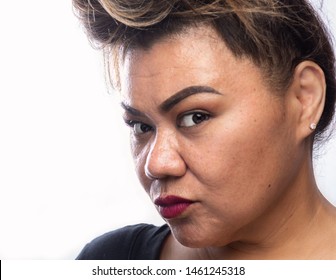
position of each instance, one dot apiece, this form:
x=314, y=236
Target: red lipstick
x=172, y=206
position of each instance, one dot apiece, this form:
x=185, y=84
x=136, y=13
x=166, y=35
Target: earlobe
x=310, y=93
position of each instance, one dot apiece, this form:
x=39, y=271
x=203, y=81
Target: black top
x=137, y=242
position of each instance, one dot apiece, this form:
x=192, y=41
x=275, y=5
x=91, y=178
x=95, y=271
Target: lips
x=172, y=206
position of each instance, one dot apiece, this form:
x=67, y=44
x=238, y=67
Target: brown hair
x=275, y=34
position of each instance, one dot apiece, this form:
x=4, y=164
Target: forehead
x=196, y=57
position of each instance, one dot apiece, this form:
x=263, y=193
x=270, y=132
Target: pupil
x=197, y=118
x=144, y=128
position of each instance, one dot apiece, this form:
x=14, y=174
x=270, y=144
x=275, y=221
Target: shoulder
x=141, y=241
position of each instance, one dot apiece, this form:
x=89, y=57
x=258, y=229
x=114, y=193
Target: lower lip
x=174, y=210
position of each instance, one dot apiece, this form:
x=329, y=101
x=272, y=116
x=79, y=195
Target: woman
x=225, y=101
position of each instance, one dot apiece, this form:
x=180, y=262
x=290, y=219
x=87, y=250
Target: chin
x=194, y=237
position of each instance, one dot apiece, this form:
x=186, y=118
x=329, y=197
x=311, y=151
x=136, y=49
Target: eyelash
x=203, y=116
x=133, y=124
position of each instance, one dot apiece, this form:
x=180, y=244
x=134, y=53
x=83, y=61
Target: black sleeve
x=137, y=242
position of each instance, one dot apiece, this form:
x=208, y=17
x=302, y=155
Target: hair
x=275, y=34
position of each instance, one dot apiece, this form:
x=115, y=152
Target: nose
x=164, y=158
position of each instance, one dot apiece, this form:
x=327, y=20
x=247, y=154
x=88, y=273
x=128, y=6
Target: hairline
x=120, y=50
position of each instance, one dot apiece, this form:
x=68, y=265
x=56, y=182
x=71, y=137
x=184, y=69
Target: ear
x=310, y=91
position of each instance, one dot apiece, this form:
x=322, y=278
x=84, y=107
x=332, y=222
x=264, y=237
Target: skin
x=245, y=162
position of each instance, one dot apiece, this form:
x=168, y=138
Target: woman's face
x=213, y=145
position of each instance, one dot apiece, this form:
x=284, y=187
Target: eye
x=139, y=127
x=192, y=119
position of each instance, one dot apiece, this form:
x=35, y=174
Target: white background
x=65, y=170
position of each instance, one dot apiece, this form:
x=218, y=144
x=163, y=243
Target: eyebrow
x=132, y=110
x=168, y=104
x=183, y=94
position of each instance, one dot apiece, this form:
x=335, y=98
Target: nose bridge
x=163, y=158
x=162, y=147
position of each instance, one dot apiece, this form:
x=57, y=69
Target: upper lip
x=170, y=200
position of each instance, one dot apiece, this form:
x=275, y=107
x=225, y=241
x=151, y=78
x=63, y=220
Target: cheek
x=235, y=179
x=139, y=153
x=223, y=163
x=235, y=159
